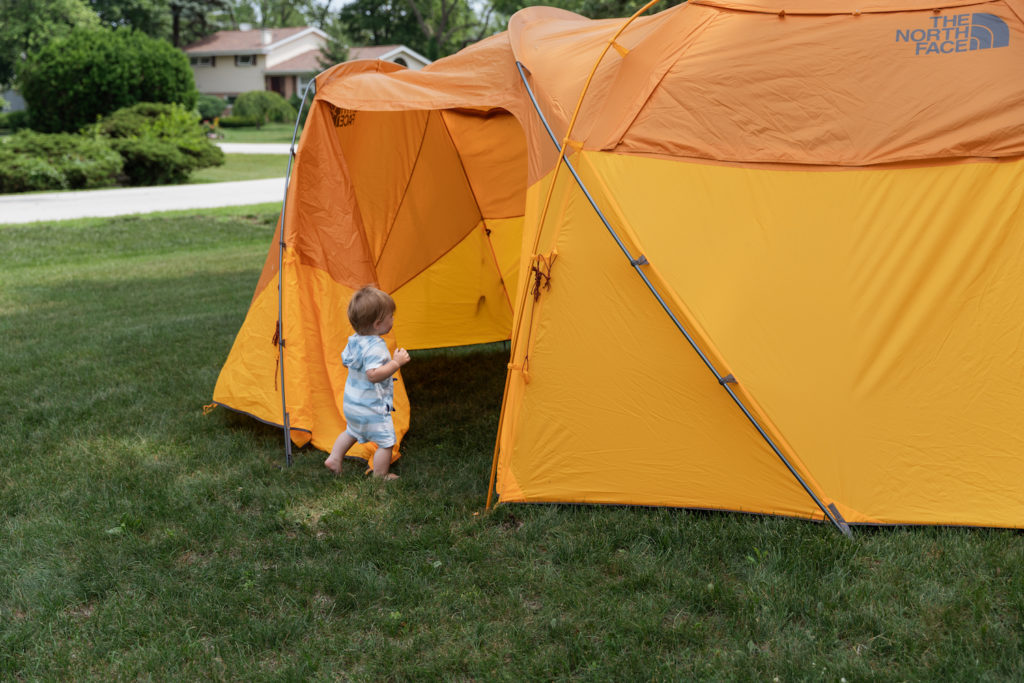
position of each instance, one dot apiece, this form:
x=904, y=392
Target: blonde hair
x=368, y=307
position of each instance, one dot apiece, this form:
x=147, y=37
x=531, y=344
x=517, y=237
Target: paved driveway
x=55, y=206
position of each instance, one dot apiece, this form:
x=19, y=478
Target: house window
x=202, y=61
x=245, y=60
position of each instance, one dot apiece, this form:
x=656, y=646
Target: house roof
x=384, y=52
x=257, y=41
x=307, y=62
x=371, y=51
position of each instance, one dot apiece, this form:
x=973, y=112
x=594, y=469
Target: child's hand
x=401, y=357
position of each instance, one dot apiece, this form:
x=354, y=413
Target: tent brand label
x=956, y=33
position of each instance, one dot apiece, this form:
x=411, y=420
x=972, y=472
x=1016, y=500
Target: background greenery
x=73, y=81
x=145, y=144
x=144, y=540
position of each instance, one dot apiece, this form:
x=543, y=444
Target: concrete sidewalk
x=55, y=206
x=256, y=147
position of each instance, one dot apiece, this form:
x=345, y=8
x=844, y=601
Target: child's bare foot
x=387, y=476
x=334, y=465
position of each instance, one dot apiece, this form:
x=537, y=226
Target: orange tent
x=751, y=257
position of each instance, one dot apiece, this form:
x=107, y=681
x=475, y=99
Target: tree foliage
x=74, y=80
x=28, y=25
x=434, y=28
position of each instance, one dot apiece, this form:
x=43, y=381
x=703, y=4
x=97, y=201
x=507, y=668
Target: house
x=284, y=60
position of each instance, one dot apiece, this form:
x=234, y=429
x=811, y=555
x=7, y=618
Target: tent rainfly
x=749, y=258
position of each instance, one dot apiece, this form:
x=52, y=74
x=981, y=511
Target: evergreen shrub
x=31, y=161
x=160, y=143
x=239, y=122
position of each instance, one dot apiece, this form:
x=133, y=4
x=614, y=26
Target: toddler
x=369, y=391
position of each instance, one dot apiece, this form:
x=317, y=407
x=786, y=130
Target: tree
x=446, y=25
x=152, y=17
x=434, y=28
x=94, y=71
x=28, y=25
x=194, y=19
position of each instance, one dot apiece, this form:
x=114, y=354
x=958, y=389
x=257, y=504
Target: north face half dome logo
x=957, y=33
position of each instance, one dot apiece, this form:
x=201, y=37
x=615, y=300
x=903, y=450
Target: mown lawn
x=268, y=132
x=243, y=167
x=140, y=539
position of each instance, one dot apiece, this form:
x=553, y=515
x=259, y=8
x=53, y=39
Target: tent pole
x=280, y=282
x=636, y=263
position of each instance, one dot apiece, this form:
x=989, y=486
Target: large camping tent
x=752, y=256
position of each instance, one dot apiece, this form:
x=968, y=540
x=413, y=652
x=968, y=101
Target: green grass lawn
x=243, y=167
x=144, y=540
x=269, y=132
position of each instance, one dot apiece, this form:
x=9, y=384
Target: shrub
x=264, y=106
x=22, y=173
x=73, y=81
x=14, y=120
x=238, y=121
x=296, y=101
x=160, y=143
x=151, y=161
x=210, y=107
x=57, y=161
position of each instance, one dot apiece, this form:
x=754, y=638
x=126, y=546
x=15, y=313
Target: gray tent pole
x=280, y=282
x=830, y=512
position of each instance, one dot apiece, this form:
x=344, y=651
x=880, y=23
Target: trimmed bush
x=73, y=81
x=264, y=106
x=296, y=101
x=160, y=143
x=151, y=161
x=210, y=107
x=14, y=120
x=33, y=161
x=239, y=122
x=22, y=173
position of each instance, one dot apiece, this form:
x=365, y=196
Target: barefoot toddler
x=369, y=389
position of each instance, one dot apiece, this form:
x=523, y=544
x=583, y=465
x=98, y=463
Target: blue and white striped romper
x=367, y=405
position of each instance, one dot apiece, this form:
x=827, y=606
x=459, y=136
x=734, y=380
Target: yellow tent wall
x=826, y=199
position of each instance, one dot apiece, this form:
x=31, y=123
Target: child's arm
x=379, y=374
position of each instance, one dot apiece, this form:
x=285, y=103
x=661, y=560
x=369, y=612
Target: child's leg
x=382, y=463
x=341, y=446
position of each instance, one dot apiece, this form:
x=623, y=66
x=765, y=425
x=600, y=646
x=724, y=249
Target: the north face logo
x=957, y=33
